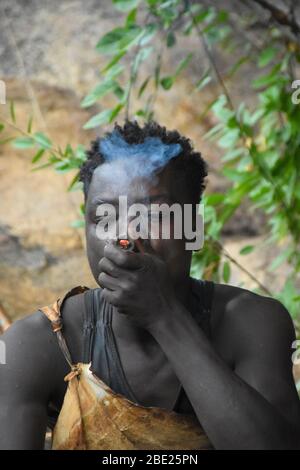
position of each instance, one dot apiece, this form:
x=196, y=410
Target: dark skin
x=240, y=384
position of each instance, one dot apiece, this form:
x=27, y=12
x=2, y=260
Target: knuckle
x=127, y=286
x=106, y=294
x=102, y=277
x=122, y=259
x=112, y=269
x=118, y=296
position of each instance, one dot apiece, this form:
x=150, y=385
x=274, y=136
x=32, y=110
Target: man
x=239, y=383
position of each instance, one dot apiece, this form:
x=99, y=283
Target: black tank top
x=100, y=348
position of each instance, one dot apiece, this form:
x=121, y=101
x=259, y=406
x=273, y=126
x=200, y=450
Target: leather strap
x=53, y=313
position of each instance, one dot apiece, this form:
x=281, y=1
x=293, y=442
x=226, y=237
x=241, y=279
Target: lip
x=129, y=244
x=126, y=244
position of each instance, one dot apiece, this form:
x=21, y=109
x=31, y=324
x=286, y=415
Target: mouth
x=129, y=244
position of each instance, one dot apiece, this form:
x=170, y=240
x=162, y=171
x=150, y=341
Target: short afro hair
x=188, y=167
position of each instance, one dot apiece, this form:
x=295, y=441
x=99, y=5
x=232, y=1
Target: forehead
x=110, y=181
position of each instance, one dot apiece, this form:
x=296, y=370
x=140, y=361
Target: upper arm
x=263, y=337
x=24, y=384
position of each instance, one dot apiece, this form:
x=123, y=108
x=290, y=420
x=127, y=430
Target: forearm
x=22, y=426
x=233, y=414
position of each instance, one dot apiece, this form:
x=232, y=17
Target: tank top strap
x=54, y=315
x=96, y=315
x=99, y=344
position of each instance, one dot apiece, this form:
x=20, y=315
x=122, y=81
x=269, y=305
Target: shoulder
x=28, y=346
x=73, y=319
x=249, y=319
x=33, y=330
x=31, y=349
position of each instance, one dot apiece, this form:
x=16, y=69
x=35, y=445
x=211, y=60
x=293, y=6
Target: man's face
x=107, y=186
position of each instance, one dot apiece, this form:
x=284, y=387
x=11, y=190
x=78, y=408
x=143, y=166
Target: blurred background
x=221, y=73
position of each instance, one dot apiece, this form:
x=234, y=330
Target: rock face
x=41, y=254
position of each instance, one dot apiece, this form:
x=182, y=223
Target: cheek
x=162, y=229
x=94, y=247
x=171, y=251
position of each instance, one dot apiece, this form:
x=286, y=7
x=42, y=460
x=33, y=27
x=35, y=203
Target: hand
x=139, y=285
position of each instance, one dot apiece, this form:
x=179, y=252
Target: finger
x=112, y=297
x=110, y=268
x=122, y=258
x=109, y=282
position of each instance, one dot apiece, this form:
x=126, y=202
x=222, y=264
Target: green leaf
x=23, y=143
x=286, y=296
x=214, y=199
x=125, y=5
x=104, y=117
x=12, y=111
x=114, y=71
x=283, y=256
x=148, y=33
x=211, y=134
x=119, y=38
x=5, y=141
x=141, y=113
x=202, y=16
x=228, y=212
x=80, y=223
x=246, y=250
x=63, y=166
x=205, y=80
x=131, y=17
x=229, y=138
x=119, y=92
x=143, y=86
x=157, y=71
x=226, y=271
x=269, y=79
x=142, y=55
x=73, y=182
x=183, y=64
x=167, y=82
x=116, y=111
x=38, y=156
x=1, y=127
x=41, y=167
x=98, y=92
x=171, y=39
x=266, y=56
x=237, y=65
x=80, y=153
x=233, y=154
x=42, y=140
x=114, y=61
x=82, y=208
x=220, y=110
x=29, y=125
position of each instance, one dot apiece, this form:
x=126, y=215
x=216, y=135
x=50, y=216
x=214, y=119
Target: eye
x=106, y=218
x=98, y=219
